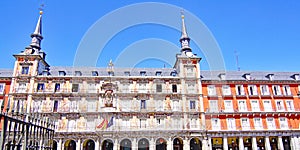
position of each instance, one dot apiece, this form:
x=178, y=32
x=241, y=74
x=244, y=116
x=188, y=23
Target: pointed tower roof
x=184, y=39
x=37, y=34
x=38, y=28
x=184, y=34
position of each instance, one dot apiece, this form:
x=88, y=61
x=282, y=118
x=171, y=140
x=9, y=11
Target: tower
x=188, y=68
x=28, y=64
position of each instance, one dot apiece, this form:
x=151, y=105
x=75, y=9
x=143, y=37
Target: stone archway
x=54, y=145
x=177, y=144
x=88, y=145
x=107, y=145
x=195, y=144
x=125, y=144
x=161, y=144
x=143, y=144
x=70, y=145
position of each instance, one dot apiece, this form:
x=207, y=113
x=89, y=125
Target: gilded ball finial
x=182, y=14
x=41, y=12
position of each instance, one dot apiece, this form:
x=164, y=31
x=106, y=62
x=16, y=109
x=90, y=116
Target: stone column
x=186, y=144
x=78, y=144
x=225, y=143
x=116, y=144
x=267, y=143
x=152, y=144
x=134, y=144
x=97, y=145
x=169, y=144
x=204, y=144
x=59, y=144
x=241, y=143
x=280, y=143
x=209, y=144
x=254, y=143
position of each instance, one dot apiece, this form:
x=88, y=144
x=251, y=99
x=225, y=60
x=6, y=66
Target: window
x=215, y=123
x=57, y=87
x=264, y=90
x=283, y=123
x=213, y=106
x=25, y=70
x=127, y=73
x=173, y=73
x=290, y=105
x=276, y=90
x=226, y=90
x=61, y=73
x=228, y=106
x=92, y=88
x=158, y=88
x=242, y=105
x=125, y=105
x=2, y=87
x=279, y=105
x=126, y=124
x=159, y=105
x=176, y=105
x=94, y=73
x=191, y=88
x=192, y=105
x=271, y=123
x=239, y=90
x=255, y=105
x=189, y=71
x=267, y=105
x=245, y=123
x=158, y=73
x=252, y=89
x=78, y=73
x=143, y=104
x=142, y=88
x=211, y=89
x=22, y=88
x=40, y=87
x=286, y=90
x=174, y=88
x=231, y=124
x=143, y=73
x=75, y=87
x=55, y=106
x=258, y=123
x=91, y=105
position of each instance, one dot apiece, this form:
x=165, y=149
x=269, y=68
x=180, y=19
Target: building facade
x=176, y=108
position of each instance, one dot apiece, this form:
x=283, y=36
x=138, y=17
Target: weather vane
x=41, y=8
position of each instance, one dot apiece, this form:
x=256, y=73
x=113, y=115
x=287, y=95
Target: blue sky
x=265, y=34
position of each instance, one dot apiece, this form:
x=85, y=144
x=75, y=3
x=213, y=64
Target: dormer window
x=61, y=73
x=78, y=73
x=45, y=73
x=94, y=73
x=247, y=76
x=127, y=73
x=110, y=73
x=173, y=73
x=158, y=73
x=270, y=76
x=143, y=73
x=296, y=77
x=222, y=76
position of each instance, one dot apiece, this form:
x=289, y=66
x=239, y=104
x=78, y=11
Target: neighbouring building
x=176, y=108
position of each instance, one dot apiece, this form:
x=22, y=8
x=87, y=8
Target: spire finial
x=37, y=34
x=184, y=39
